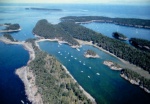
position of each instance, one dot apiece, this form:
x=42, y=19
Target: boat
x=90, y=67
x=81, y=71
x=89, y=77
x=80, y=61
x=97, y=73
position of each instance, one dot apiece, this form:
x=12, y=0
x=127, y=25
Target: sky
x=80, y=1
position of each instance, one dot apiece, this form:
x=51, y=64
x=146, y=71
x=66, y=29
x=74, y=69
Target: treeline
x=12, y=27
x=133, y=22
x=143, y=82
x=118, y=48
x=8, y=36
x=47, y=30
x=90, y=52
x=54, y=84
x=140, y=43
x=119, y=36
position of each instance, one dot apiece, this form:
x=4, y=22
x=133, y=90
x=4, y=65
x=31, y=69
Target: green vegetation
x=8, y=36
x=116, y=47
x=13, y=27
x=119, y=36
x=54, y=84
x=90, y=52
x=140, y=43
x=47, y=30
x=69, y=30
x=138, y=78
x=133, y=22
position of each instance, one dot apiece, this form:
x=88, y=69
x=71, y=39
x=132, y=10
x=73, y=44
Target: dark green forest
x=133, y=22
x=140, y=44
x=119, y=36
x=48, y=30
x=54, y=84
x=135, y=76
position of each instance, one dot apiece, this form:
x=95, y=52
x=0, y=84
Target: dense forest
x=135, y=76
x=13, y=27
x=48, y=30
x=119, y=36
x=140, y=43
x=90, y=52
x=8, y=36
x=118, y=48
x=54, y=84
x=133, y=22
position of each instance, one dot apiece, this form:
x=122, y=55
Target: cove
x=106, y=88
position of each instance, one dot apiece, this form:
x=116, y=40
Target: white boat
x=22, y=101
x=68, y=53
x=97, y=73
x=80, y=61
x=89, y=77
x=68, y=60
x=71, y=56
x=65, y=57
x=90, y=67
x=75, y=58
x=81, y=71
x=59, y=52
x=83, y=63
x=78, y=49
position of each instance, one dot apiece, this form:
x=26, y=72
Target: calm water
x=109, y=87
x=130, y=32
x=11, y=87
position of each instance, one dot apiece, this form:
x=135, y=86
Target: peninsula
x=47, y=80
x=10, y=27
x=132, y=22
x=140, y=44
x=69, y=31
x=91, y=54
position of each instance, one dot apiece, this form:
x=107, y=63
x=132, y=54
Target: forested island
x=90, y=54
x=50, y=31
x=132, y=22
x=43, y=9
x=119, y=36
x=140, y=43
x=10, y=27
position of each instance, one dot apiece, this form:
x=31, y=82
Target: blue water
x=109, y=87
x=130, y=32
x=11, y=87
x=106, y=88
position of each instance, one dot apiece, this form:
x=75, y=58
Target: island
x=119, y=36
x=43, y=9
x=112, y=65
x=132, y=22
x=140, y=44
x=10, y=27
x=91, y=54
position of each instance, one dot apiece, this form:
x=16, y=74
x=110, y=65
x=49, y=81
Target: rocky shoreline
x=112, y=65
x=132, y=81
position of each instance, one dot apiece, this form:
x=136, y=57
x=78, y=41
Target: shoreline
x=25, y=74
x=130, y=66
x=81, y=88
